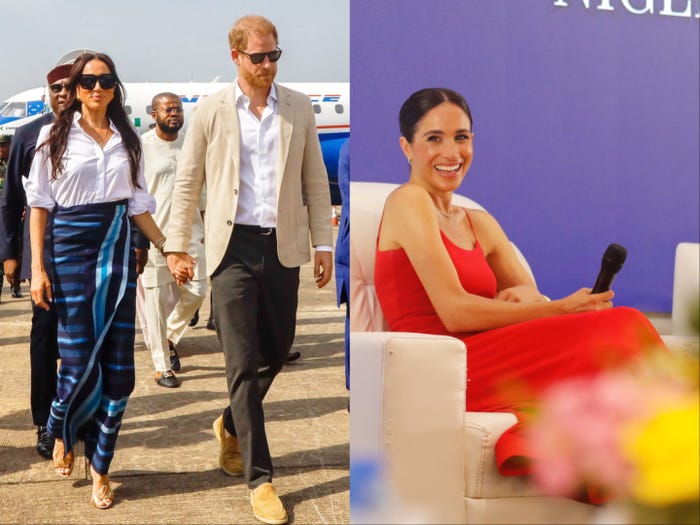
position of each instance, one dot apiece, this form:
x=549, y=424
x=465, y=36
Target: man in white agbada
x=166, y=309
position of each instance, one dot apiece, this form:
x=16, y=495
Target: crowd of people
x=107, y=225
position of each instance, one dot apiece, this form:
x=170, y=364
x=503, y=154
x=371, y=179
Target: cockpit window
x=14, y=109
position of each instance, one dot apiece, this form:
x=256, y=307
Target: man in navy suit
x=342, y=249
x=15, y=253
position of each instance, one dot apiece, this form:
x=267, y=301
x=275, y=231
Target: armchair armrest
x=407, y=415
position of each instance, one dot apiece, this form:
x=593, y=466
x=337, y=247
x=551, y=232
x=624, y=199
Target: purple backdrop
x=586, y=124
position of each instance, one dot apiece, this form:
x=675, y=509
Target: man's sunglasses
x=58, y=87
x=257, y=58
x=106, y=80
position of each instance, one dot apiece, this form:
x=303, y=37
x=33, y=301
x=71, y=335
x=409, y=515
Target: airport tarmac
x=165, y=468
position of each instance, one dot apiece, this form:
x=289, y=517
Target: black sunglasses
x=106, y=80
x=257, y=58
x=58, y=87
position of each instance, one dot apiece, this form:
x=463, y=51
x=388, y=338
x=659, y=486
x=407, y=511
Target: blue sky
x=169, y=40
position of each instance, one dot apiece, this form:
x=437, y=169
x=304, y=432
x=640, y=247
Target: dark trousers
x=43, y=353
x=255, y=300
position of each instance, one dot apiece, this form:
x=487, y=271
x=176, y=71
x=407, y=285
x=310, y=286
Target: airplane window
x=317, y=108
x=339, y=109
x=127, y=109
x=14, y=109
x=149, y=109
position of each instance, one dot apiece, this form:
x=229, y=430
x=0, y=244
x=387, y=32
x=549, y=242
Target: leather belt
x=259, y=230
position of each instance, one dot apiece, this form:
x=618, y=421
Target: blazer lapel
x=286, y=114
x=229, y=122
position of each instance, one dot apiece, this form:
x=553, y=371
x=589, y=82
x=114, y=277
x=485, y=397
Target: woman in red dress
x=443, y=269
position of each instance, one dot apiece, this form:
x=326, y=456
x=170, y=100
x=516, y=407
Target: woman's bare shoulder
x=488, y=230
x=407, y=195
x=481, y=217
x=408, y=217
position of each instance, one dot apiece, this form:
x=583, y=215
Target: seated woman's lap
x=507, y=368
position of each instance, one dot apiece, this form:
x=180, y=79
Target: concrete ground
x=165, y=468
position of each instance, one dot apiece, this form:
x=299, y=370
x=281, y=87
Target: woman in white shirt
x=87, y=179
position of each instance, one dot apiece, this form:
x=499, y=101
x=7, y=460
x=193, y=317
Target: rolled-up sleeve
x=141, y=201
x=37, y=186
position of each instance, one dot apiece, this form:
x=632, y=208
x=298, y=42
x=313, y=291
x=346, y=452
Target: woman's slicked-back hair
x=419, y=103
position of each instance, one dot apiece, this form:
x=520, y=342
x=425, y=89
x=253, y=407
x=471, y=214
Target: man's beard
x=257, y=81
x=169, y=130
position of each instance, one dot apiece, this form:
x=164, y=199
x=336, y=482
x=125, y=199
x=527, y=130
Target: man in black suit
x=15, y=253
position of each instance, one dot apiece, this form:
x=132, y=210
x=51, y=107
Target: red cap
x=59, y=73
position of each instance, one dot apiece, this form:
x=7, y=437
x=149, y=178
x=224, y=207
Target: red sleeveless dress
x=509, y=367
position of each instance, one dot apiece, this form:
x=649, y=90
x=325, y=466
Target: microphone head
x=614, y=257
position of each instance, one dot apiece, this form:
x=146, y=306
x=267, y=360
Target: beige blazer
x=211, y=154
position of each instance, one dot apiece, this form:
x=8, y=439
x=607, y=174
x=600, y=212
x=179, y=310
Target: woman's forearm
x=37, y=232
x=40, y=287
x=144, y=221
x=476, y=314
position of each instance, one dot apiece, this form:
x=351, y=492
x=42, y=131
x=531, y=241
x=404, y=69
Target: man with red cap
x=15, y=254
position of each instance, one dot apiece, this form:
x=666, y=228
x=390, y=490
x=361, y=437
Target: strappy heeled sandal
x=103, y=497
x=62, y=464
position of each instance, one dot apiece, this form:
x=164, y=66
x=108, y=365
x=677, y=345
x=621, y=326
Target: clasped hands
x=181, y=266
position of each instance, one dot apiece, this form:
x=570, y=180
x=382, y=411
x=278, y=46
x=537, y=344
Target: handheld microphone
x=613, y=259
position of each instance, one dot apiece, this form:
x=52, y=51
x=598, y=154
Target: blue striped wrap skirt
x=93, y=275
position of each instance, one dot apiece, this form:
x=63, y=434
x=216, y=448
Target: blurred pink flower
x=576, y=434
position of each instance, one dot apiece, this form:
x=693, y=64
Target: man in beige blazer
x=256, y=146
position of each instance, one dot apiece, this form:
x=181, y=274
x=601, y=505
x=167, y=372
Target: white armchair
x=686, y=294
x=436, y=461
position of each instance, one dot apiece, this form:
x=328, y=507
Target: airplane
x=330, y=102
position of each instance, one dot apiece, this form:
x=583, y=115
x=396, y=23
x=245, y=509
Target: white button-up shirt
x=260, y=146
x=90, y=174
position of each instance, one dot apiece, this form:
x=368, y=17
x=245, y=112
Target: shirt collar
x=242, y=98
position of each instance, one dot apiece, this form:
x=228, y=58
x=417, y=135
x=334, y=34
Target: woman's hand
x=524, y=293
x=40, y=289
x=181, y=266
x=584, y=301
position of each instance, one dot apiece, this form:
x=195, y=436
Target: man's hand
x=181, y=265
x=323, y=267
x=11, y=269
x=141, y=260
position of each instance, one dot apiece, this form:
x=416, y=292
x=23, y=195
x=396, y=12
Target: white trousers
x=165, y=313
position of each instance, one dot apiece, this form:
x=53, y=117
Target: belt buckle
x=266, y=231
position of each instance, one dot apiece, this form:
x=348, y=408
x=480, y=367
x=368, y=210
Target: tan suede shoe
x=267, y=507
x=230, y=459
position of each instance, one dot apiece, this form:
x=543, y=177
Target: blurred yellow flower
x=665, y=451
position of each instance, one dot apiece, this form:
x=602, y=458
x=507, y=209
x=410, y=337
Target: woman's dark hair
x=418, y=104
x=58, y=137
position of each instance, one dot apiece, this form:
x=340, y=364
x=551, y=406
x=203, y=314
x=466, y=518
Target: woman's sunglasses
x=106, y=80
x=257, y=58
